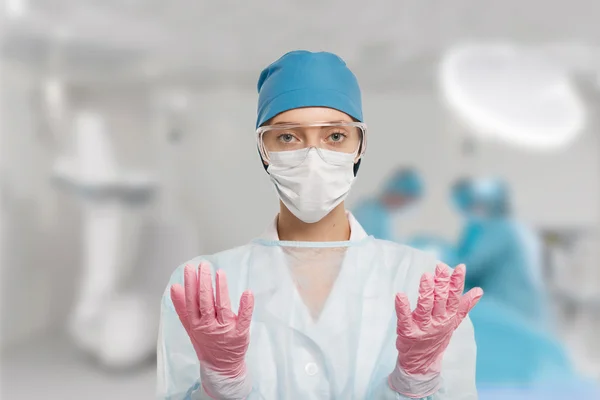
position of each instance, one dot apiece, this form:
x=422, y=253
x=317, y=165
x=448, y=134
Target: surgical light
x=503, y=92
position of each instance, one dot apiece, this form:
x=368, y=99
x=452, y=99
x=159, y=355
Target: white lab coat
x=178, y=367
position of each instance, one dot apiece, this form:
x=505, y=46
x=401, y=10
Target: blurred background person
x=399, y=196
x=503, y=255
x=516, y=344
x=397, y=201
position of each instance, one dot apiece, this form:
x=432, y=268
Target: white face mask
x=309, y=186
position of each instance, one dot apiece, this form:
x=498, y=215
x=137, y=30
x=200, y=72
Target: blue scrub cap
x=405, y=182
x=306, y=79
x=491, y=193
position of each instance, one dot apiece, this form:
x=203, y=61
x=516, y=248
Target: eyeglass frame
x=262, y=129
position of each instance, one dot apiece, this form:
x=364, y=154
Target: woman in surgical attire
x=315, y=308
x=400, y=194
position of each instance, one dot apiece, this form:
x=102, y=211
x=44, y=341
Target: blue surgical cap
x=406, y=182
x=306, y=79
x=491, y=194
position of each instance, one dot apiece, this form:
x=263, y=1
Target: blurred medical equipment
x=400, y=194
x=326, y=337
x=112, y=326
x=127, y=252
x=572, y=259
x=51, y=104
x=502, y=255
x=510, y=94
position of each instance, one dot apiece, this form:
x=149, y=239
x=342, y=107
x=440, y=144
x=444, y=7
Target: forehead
x=310, y=114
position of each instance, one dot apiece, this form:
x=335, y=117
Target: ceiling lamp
x=505, y=93
x=16, y=8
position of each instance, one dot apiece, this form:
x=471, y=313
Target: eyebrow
x=325, y=122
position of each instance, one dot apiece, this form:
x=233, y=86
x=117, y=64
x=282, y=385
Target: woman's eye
x=337, y=137
x=286, y=138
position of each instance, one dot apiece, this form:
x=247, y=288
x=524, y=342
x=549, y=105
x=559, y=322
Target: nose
x=312, y=137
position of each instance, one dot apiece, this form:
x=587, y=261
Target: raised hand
x=424, y=334
x=219, y=336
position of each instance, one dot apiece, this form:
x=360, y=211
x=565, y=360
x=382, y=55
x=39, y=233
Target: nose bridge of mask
x=288, y=158
x=313, y=164
x=336, y=157
x=312, y=156
x=329, y=157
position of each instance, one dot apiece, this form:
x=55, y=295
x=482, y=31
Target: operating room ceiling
x=134, y=40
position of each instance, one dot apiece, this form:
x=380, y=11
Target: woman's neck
x=334, y=227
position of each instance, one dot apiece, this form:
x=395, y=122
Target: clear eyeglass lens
x=338, y=138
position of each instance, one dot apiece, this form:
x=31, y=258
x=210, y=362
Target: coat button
x=311, y=369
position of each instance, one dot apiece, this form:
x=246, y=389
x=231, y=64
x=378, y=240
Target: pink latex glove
x=424, y=335
x=219, y=337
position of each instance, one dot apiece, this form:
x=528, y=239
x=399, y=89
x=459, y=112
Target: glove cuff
x=414, y=386
x=218, y=386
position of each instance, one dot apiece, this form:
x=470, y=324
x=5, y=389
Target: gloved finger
x=206, y=295
x=404, y=315
x=457, y=286
x=178, y=299
x=422, y=314
x=440, y=291
x=223, y=304
x=190, y=282
x=245, y=312
x=468, y=301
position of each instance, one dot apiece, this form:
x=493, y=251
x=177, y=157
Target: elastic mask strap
x=356, y=166
x=265, y=166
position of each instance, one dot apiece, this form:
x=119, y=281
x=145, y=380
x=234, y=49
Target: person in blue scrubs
x=515, y=347
x=503, y=256
x=401, y=192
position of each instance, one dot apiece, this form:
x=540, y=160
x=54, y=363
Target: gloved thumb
x=178, y=299
x=245, y=311
x=468, y=301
